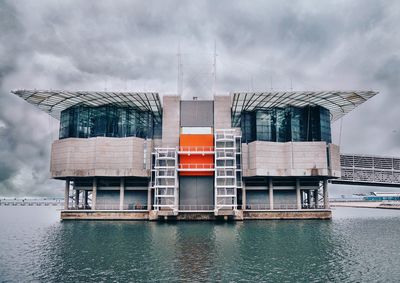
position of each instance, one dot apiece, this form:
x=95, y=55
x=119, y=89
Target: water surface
x=358, y=245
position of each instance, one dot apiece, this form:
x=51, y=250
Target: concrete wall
x=261, y=158
x=334, y=152
x=171, y=123
x=222, y=112
x=100, y=156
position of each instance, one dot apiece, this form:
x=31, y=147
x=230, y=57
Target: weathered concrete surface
x=222, y=112
x=293, y=214
x=171, y=120
x=100, y=156
x=261, y=158
x=193, y=216
x=103, y=215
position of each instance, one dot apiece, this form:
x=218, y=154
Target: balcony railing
x=196, y=149
x=196, y=167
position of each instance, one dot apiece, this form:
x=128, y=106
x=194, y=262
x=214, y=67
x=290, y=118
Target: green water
x=358, y=245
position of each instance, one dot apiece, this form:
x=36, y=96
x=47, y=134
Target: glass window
x=110, y=120
x=310, y=123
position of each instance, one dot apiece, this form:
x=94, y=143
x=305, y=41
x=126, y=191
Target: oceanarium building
x=127, y=155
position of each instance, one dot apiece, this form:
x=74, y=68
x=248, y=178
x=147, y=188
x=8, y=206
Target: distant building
x=126, y=155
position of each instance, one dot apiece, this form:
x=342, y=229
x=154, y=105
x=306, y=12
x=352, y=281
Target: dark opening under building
x=126, y=155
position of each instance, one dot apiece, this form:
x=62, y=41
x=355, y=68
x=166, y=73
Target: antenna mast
x=214, y=86
x=180, y=71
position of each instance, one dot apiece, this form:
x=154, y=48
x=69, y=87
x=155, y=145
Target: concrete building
x=264, y=155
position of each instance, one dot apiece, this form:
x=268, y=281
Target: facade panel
x=197, y=113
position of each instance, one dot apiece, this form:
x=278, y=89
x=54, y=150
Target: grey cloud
x=133, y=44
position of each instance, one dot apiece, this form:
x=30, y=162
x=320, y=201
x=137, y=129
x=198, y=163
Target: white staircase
x=165, y=180
x=228, y=176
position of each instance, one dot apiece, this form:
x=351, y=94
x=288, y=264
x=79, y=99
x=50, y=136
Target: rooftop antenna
x=270, y=81
x=214, y=86
x=105, y=83
x=180, y=71
x=291, y=84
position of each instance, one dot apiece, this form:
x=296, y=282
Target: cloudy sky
x=133, y=45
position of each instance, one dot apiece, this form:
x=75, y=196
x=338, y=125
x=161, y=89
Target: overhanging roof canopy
x=338, y=103
x=55, y=101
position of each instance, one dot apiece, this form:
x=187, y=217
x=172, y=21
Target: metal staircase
x=165, y=180
x=227, y=170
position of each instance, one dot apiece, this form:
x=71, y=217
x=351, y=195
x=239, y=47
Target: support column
x=298, y=196
x=76, y=197
x=243, y=197
x=316, y=198
x=85, y=199
x=121, y=193
x=149, y=199
x=271, y=194
x=309, y=198
x=326, y=200
x=94, y=193
x=66, y=194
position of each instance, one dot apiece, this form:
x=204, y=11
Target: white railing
x=280, y=206
x=196, y=149
x=110, y=206
x=196, y=167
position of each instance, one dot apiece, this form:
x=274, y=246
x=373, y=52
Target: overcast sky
x=133, y=45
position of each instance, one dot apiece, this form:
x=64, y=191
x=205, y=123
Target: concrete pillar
x=85, y=199
x=243, y=197
x=326, y=200
x=76, y=197
x=316, y=198
x=121, y=193
x=298, y=196
x=271, y=194
x=149, y=200
x=66, y=194
x=94, y=193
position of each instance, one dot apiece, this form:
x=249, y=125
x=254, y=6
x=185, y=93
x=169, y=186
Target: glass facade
x=83, y=121
x=311, y=123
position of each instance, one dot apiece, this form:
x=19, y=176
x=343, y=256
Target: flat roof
x=55, y=101
x=339, y=103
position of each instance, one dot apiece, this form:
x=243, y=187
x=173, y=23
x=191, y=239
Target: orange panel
x=192, y=141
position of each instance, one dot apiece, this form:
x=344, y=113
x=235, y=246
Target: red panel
x=192, y=141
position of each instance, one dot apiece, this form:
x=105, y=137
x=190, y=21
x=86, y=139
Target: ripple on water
x=356, y=246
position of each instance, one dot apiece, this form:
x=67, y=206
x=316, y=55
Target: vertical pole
x=94, y=193
x=149, y=199
x=66, y=194
x=85, y=199
x=243, y=197
x=316, y=198
x=326, y=201
x=309, y=198
x=121, y=193
x=271, y=194
x=76, y=197
x=298, y=196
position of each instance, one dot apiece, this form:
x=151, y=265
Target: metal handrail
x=196, y=166
x=196, y=149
